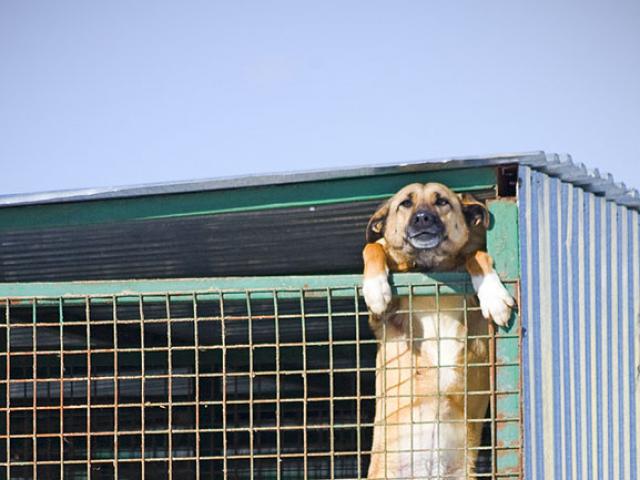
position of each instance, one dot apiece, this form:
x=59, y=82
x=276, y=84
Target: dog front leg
x=495, y=301
x=375, y=284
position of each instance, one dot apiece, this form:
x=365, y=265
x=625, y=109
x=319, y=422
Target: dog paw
x=495, y=301
x=377, y=293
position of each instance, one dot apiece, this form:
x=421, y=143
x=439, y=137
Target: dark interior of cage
x=261, y=385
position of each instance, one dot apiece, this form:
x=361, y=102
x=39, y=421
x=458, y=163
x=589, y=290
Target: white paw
x=495, y=301
x=377, y=293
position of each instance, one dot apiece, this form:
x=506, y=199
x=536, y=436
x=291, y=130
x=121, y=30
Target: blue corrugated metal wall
x=580, y=304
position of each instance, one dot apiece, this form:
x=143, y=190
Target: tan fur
x=479, y=263
x=422, y=412
x=375, y=262
x=408, y=390
x=462, y=238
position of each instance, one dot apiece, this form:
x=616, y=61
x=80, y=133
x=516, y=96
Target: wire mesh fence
x=247, y=383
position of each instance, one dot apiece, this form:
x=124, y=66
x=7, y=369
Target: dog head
x=429, y=226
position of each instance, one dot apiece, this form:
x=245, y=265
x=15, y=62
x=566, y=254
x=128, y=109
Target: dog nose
x=424, y=218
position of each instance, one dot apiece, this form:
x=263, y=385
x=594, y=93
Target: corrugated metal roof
x=580, y=286
x=555, y=165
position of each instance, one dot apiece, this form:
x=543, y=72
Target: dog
x=430, y=379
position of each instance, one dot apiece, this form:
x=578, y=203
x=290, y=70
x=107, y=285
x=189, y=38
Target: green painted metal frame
x=246, y=199
x=503, y=245
x=286, y=286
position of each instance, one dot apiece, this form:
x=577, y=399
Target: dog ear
x=375, y=227
x=475, y=212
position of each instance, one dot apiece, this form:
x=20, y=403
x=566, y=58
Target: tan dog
x=422, y=427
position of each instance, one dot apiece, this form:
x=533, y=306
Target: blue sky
x=117, y=93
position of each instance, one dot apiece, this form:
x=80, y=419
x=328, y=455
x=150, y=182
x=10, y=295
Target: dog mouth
x=425, y=240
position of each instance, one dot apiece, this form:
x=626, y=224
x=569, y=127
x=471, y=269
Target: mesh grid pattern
x=238, y=384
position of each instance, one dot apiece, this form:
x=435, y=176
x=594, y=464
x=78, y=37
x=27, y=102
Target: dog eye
x=407, y=203
x=441, y=202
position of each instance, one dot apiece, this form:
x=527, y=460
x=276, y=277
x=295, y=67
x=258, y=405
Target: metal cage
x=172, y=381
x=139, y=341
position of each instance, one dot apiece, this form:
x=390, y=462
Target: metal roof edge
x=556, y=165
x=257, y=180
x=563, y=167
